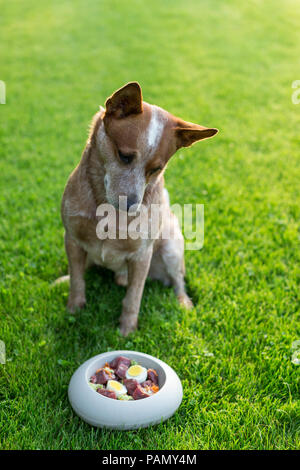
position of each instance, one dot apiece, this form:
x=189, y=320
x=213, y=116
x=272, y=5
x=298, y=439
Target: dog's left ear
x=186, y=136
x=125, y=101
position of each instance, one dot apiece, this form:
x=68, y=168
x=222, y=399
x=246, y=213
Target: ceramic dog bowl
x=101, y=411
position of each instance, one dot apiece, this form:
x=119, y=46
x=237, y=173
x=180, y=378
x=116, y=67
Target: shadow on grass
x=96, y=327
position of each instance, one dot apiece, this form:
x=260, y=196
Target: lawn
x=228, y=65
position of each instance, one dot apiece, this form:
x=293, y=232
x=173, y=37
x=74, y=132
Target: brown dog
x=129, y=145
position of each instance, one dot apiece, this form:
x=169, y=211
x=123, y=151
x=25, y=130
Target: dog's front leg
x=77, y=259
x=137, y=274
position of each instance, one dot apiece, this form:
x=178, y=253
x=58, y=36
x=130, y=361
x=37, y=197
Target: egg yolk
x=134, y=371
x=116, y=385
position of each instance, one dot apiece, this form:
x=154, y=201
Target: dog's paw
x=185, y=301
x=76, y=303
x=128, y=324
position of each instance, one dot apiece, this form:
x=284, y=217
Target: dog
x=129, y=145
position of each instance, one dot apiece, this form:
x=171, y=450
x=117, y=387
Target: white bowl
x=105, y=412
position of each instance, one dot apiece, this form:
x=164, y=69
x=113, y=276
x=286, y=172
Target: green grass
x=222, y=64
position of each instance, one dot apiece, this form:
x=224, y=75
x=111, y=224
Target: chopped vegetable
x=95, y=386
x=125, y=397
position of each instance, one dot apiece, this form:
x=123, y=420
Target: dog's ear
x=125, y=101
x=188, y=134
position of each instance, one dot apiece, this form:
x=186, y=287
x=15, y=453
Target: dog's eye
x=155, y=170
x=125, y=158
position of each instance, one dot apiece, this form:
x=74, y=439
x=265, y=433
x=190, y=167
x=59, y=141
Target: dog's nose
x=132, y=200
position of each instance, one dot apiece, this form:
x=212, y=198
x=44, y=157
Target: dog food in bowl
x=124, y=379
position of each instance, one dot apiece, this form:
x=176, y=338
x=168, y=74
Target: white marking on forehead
x=155, y=128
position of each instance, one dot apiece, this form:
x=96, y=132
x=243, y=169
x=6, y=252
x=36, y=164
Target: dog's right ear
x=125, y=101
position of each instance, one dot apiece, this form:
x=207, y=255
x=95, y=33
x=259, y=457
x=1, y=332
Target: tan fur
x=132, y=127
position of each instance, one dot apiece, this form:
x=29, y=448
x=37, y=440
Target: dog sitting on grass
x=126, y=154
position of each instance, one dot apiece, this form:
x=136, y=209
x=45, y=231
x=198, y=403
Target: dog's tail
x=60, y=280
